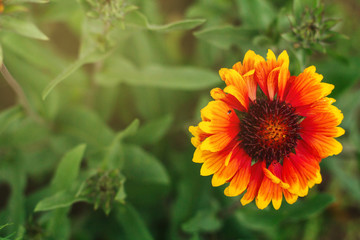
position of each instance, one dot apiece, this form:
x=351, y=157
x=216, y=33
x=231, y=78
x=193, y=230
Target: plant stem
x=19, y=92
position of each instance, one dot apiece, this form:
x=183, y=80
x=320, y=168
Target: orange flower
x=266, y=131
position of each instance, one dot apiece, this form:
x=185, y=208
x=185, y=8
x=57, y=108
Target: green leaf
x=330, y=23
x=266, y=220
x=289, y=36
x=68, y=169
x=11, y=235
x=59, y=217
x=15, y=175
x=332, y=36
x=8, y=237
x=180, y=78
x=256, y=13
x=298, y=9
x=132, y=223
x=348, y=182
x=90, y=52
x=128, y=131
x=110, y=77
x=91, y=57
x=269, y=220
x=23, y=132
x=9, y=116
x=121, y=194
x=85, y=126
x=203, y=221
x=179, y=25
x=22, y=27
x=95, y=45
x=312, y=229
x=195, y=236
x=107, y=101
x=34, y=56
x=143, y=167
x=335, y=70
x=61, y=199
x=138, y=19
x=317, y=3
x=153, y=131
x=225, y=37
x=5, y=225
x=114, y=155
x=63, y=75
x=310, y=207
x=263, y=41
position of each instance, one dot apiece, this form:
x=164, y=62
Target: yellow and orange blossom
x=267, y=131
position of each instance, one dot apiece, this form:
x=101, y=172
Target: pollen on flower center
x=273, y=132
x=269, y=130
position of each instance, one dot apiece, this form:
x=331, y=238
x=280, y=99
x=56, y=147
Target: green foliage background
x=94, y=141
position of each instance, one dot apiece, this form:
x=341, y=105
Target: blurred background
x=97, y=96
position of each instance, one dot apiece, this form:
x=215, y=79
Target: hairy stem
x=19, y=92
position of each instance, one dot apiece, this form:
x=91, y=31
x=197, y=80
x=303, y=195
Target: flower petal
x=250, y=59
x=241, y=179
x=283, y=79
x=247, y=70
x=269, y=85
x=322, y=145
x=289, y=197
x=241, y=96
x=217, y=142
x=277, y=197
x=274, y=174
x=272, y=82
x=256, y=179
x=226, y=172
x=221, y=123
x=230, y=100
x=307, y=88
x=290, y=176
x=265, y=193
x=198, y=134
x=212, y=162
x=198, y=156
x=232, y=78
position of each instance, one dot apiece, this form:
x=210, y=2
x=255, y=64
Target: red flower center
x=269, y=130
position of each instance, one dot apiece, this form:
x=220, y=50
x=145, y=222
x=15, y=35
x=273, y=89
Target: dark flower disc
x=269, y=130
